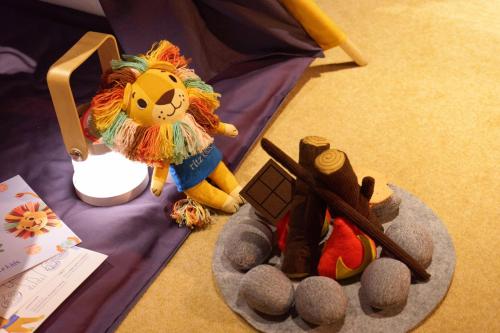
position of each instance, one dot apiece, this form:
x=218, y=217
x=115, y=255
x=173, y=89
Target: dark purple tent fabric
x=253, y=52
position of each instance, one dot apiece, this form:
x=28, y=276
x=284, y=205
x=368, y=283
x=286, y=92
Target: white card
x=16, y=292
x=62, y=275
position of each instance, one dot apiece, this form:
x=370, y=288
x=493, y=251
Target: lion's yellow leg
x=226, y=181
x=209, y=195
x=160, y=174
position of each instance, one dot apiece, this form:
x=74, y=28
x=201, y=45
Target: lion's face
x=157, y=97
x=30, y=219
x=33, y=221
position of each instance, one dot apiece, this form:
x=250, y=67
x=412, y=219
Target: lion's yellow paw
x=236, y=195
x=230, y=205
x=230, y=130
x=156, y=187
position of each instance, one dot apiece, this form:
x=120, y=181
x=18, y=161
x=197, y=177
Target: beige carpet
x=425, y=111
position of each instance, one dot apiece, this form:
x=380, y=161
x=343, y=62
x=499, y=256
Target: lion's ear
x=127, y=92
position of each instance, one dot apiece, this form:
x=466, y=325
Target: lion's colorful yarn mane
x=158, y=143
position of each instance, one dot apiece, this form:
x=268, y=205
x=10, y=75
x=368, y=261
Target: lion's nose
x=166, y=98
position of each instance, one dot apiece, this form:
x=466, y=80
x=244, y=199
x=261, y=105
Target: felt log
x=302, y=251
x=338, y=204
x=335, y=171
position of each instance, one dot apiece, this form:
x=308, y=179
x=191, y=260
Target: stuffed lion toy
x=156, y=110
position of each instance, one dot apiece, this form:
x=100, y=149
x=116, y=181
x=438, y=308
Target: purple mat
x=252, y=53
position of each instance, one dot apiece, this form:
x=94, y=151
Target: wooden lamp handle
x=58, y=80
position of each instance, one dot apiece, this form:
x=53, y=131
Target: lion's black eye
x=141, y=103
x=172, y=78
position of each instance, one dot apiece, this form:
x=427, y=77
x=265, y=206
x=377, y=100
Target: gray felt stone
x=320, y=300
x=414, y=238
x=267, y=290
x=247, y=246
x=386, y=283
x=264, y=228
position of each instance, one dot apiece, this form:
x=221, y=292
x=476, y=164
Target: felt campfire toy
x=348, y=250
x=154, y=109
x=348, y=204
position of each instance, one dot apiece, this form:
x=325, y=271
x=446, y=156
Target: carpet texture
x=425, y=111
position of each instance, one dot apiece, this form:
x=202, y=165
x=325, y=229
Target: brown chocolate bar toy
x=270, y=192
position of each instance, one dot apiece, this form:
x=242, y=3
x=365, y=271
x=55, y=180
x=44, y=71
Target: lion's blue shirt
x=196, y=168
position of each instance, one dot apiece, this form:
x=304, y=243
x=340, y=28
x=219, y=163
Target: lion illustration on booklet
x=31, y=220
x=152, y=108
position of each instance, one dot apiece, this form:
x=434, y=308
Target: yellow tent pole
x=321, y=28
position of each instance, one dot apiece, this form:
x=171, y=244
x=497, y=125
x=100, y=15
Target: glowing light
x=109, y=179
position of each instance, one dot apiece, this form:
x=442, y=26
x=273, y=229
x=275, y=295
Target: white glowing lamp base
x=109, y=179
